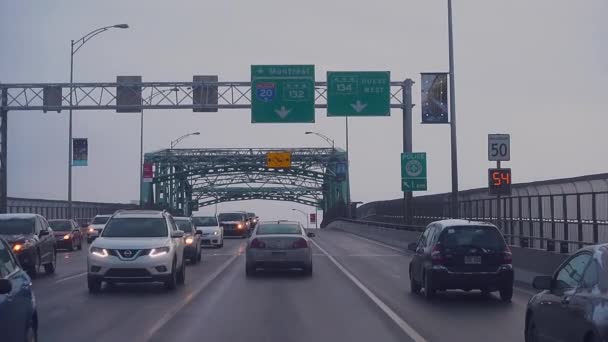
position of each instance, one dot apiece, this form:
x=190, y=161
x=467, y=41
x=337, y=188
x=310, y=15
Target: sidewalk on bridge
x=525, y=271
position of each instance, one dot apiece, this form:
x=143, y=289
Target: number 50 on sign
x=499, y=147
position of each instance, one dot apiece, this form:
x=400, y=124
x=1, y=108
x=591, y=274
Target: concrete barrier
x=527, y=262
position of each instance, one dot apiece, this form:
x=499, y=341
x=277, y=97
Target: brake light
x=300, y=243
x=255, y=243
x=507, y=256
x=436, y=256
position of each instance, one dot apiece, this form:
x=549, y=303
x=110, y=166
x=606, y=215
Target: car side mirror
x=5, y=286
x=413, y=246
x=542, y=283
x=44, y=233
x=310, y=235
x=177, y=234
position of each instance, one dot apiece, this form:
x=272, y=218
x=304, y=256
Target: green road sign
x=363, y=93
x=413, y=172
x=282, y=93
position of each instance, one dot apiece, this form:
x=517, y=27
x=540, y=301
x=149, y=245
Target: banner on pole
x=434, y=98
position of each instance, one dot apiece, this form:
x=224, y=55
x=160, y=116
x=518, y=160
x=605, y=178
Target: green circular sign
x=413, y=168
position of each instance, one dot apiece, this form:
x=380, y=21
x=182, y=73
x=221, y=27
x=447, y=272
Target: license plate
x=278, y=254
x=472, y=260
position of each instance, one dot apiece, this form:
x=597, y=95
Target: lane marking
x=189, y=297
x=70, y=277
x=406, y=328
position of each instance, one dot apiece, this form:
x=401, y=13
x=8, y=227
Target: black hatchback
x=463, y=255
x=573, y=305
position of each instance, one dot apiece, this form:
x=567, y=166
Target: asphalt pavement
x=359, y=291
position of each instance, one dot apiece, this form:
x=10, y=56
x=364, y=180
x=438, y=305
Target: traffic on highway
x=149, y=276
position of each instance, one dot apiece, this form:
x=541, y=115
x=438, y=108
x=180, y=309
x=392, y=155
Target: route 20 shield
x=265, y=91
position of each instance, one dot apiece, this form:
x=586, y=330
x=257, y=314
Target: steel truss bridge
x=187, y=179
x=200, y=96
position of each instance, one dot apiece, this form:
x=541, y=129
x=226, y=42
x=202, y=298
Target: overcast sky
x=536, y=69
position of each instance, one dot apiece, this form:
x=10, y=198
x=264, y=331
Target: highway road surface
x=359, y=292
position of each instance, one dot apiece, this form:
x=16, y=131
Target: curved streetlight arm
x=80, y=42
x=176, y=141
x=305, y=216
x=324, y=137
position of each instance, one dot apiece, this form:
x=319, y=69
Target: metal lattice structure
x=197, y=96
x=187, y=179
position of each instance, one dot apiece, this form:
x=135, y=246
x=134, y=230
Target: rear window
x=487, y=238
x=205, y=221
x=136, y=227
x=231, y=217
x=61, y=225
x=278, y=228
x=183, y=225
x=100, y=220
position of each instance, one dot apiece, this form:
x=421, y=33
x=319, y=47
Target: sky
x=533, y=69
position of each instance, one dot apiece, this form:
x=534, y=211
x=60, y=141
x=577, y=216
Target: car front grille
x=127, y=273
x=128, y=253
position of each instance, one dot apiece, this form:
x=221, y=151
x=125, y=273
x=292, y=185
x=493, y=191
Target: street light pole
x=454, y=199
x=324, y=137
x=78, y=44
x=305, y=217
x=177, y=141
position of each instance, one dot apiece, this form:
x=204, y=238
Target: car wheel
x=50, y=267
x=31, y=335
x=249, y=271
x=414, y=286
x=199, y=256
x=181, y=276
x=80, y=245
x=221, y=245
x=171, y=283
x=32, y=270
x=73, y=246
x=506, y=294
x=531, y=334
x=94, y=285
x=429, y=291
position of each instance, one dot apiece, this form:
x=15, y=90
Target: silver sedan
x=279, y=245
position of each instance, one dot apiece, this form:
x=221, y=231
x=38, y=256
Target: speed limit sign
x=499, y=147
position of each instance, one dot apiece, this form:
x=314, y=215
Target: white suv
x=212, y=234
x=137, y=246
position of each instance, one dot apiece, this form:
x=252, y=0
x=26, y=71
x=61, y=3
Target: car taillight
x=300, y=243
x=255, y=243
x=436, y=256
x=507, y=256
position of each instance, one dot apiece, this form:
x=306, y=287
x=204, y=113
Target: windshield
x=100, y=220
x=210, y=221
x=15, y=226
x=135, y=227
x=487, y=238
x=184, y=225
x=62, y=225
x=231, y=217
x=279, y=228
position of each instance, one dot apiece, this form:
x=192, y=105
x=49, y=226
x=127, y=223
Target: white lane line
x=70, y=277
x=407, y=329
x=189, y=297
x=377, y=243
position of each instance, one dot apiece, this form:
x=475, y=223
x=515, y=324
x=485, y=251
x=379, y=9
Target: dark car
x=460, y=254
x=67, y=234
x=192, y=239
x=18, y=316
x=234, y=224
x=573, y=304
x=31, y=239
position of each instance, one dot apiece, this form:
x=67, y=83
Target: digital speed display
x=499, y=181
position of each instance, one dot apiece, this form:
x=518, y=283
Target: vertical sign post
x=499, y=179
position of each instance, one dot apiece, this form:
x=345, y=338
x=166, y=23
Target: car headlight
x=189, y=240
x=101, y=252
x=20, y=246
x=66, y=237
x=239, y=226
x=156, y=252
x=91, y=230
x=216, y=233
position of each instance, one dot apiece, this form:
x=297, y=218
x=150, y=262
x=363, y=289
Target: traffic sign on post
x=363, y=93
x=499, y=147
x=499, y=181
x=282, y=93
x=413, y=172
x=278, y=160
